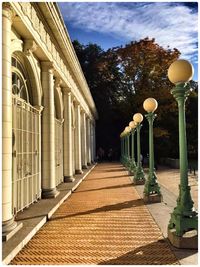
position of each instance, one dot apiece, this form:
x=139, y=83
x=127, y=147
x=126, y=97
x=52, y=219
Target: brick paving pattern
x=103, y=222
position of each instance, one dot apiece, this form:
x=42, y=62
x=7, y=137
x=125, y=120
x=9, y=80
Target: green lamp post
x=151, y=189
x=133, y=125
x=139, y=173
x=127, y=131
x=183, y=225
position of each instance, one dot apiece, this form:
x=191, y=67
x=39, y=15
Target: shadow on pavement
x=115, y=170
x=156, y=253
x=108, y=177
x=114, y=207
x=104, y=188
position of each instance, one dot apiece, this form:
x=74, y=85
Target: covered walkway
x=103, y=222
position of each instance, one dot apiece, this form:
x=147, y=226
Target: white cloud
x=173, y=25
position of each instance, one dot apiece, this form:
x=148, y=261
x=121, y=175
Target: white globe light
x=180, y=71
x=128, y=129
x=150, y=104
x=132, y=124
x=138, y=118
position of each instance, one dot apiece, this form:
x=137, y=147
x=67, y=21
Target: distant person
x=142, y=159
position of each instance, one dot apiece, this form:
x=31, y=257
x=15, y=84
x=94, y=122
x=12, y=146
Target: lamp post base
x=138, y=181
x=152, y=198
x=139, y=177
x=182, y=222
x=152, y=190
x=189, y=240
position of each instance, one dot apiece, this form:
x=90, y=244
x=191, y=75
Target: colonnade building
x=48, y=113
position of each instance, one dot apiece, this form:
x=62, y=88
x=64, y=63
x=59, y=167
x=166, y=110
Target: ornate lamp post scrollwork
x=183, y=225
x=151, y=188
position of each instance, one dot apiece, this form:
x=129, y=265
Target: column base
x=189, y=240
x=9, y=228
x=78, y=172
x=69, y=179
x=89, y=164
x=84, y=167
x=50, y=193
x=153, y=198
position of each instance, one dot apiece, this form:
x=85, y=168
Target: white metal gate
x=59, y=151
x=26, y=166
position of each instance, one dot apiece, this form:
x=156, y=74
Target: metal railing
x=25, y=160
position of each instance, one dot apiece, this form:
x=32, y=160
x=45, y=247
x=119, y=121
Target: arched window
x=19, y=81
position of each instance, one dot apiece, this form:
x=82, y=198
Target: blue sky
x=112, y=24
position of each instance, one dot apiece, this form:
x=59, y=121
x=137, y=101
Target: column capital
x=77, y=103
x=87, y=117
x=82, y=110
x=48, y=66
x=58, y=82
x=7, y=11
x=66, y=91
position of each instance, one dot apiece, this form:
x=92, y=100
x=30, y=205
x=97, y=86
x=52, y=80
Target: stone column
x=84, y=141
x=40, y=109
x=48, y=133
x=88, y=143
x=78, y=165
x=92, y=141
x=67, y=137
x=8, y=223
x=73, y=135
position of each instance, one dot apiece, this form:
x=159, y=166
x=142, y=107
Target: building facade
x=48, y=114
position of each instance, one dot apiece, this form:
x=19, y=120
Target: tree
x=104, y=79
x=120, y=79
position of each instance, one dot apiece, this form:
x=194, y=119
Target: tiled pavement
x=103, y=222
x=170, y=179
